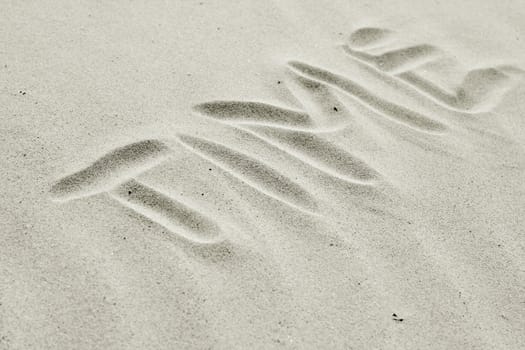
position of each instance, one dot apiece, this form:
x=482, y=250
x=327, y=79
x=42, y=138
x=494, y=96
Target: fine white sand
x=262, y=174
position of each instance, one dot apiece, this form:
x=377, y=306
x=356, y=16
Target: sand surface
x=262, y=174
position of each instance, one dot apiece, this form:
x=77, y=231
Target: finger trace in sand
x=251, y=171
x=481, y=89
x=398, y=60
x=167, y=212
x=388, y=109
x=328, y=111
x=319, y=154
x=110, y=170
x=254, y=113
x=369, y=37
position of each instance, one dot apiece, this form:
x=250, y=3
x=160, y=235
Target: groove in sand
x=254, y=113
x=168, y=212
x=110, y=170
x=328, y=112
x=388, y=109
x=369, y=37
x=398, y=60
x=251, y=171
x=481, y=89
x=318, y=154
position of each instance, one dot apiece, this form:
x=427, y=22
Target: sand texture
x=262, y=174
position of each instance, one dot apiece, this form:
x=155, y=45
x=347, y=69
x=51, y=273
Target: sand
x=262, y=174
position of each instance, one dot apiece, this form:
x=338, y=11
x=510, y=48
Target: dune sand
x=262, y=174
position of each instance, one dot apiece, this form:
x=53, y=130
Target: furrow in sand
x=481, y=89
x=369, y=37
x=110, y=170
x=398, y=60
x=319, y=100
x=251, y=171
x=319, y=154
x=167, y=212
x=254, y=113
x=386, y=108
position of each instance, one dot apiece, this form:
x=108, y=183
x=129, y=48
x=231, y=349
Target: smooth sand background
x=437, y=239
